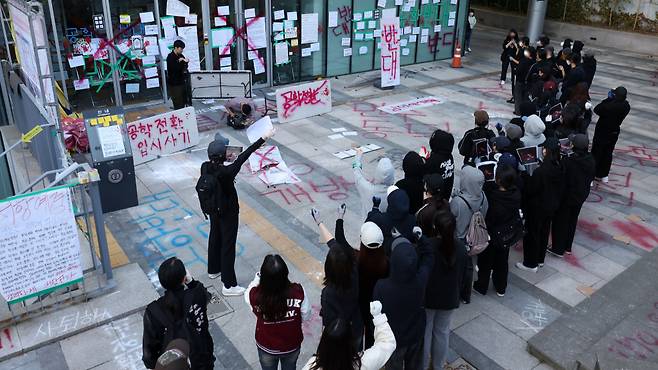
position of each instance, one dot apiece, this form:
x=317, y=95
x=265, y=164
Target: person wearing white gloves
x=383, y=178
x=335, y=351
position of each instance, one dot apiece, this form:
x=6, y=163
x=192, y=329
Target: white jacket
x=384, y=177
x=375, y=357
x=472, y=21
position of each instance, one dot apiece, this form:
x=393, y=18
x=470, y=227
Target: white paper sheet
x=403, y=42
x=221, y=37
x=257, y=34
x=252, y=54
x=315, y=46
x=258, y=67
x=358, y=36
x=357, y=16
x=333, y=19
x=306, y=52
x=152, y=83
x=360, y=25
x=363, y=50
x=437, y=28
x=132, y=88
x=223, y=10
x=415, y=30
x=378, y=33
x=150, y=72
x=452, y=15
x=191, y=19
x=152, y=50
x=292, y=16
x=405, y=51
x=146, y=17
x=281, y=53
x=424, y=39
x=345, y=41
x=372, y=24
x=223, y=62
x=309, y=28
x=76, y=61
x=367, y=14
x=398, y=2
x=259, y=128
x=111, y=141
x=277, y=26
x=347, y=52
x=250, y=13
x=453, y=2
x=425, y=32
x=381, y=3
x=279, y=14
x=151, y=29
x=407, y=30
x=451, y=22
x=81, y=84
x=413, y=38
x=177, y=8
x=335, y=136
x=219, y=22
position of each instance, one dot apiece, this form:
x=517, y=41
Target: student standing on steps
x=224, y=223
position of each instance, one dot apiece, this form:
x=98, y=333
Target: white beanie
x=371, y=235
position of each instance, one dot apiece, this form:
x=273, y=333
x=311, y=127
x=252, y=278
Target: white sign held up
x=163, y=134
x=302, y=101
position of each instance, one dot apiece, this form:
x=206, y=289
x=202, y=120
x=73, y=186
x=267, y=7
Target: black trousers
x=503, y=71
x=221, y=247
x=494, y=258
x=535, y=240
x=467, y=284
x=409, y=357
x=520, y=95
x=564, y=227
x=602, y=147
x=178, y=96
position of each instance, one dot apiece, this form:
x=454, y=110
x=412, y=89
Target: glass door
x=136, y=49
x=87, y=53
x=286, y=24
x=363, y=35
x=428, y=21
x=223, y=36
x=411, y=33
x=339, y=37
x=254, y=37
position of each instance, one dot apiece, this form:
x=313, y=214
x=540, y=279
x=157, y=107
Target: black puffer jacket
x=503, y=207
x=545, y=188
x=441, y=161
x=413, y=167
x=446, y=278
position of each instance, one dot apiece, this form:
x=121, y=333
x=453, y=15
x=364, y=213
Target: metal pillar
x=206, y=17
x=536, y=16
x=99, y=222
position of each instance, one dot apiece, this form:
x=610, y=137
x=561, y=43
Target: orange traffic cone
x=457, y=57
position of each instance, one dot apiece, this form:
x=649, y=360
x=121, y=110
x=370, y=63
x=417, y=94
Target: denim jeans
x=271, y=362
x=437, y=334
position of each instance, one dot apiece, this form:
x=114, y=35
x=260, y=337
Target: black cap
x=620, y=93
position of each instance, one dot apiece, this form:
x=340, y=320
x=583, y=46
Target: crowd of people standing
x=425, y=243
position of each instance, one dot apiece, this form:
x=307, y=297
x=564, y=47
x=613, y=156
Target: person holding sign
x=224, y=218
x=176, y=69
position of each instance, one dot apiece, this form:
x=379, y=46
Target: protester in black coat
x=504, y=204
x=467, y=146
x=441, y=161
x=180, y=313
x=612, y=112
x=510, y=48
x=542, y=194
x=224, y=225
x=402, y=295
x=589, y=66
x=521, y=86
x=578, y=176
x=414, y=169
x=575, y=76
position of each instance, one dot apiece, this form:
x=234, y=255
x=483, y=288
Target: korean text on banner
x=163, y=134
x=410, y=105
x=40, y=246
x=390, y=53
x=305, y=100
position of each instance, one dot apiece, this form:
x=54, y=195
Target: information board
x=163, y=134
x=302, y=101
x=40, y=246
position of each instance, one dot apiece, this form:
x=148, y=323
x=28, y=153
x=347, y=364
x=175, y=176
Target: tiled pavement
x=617, y=227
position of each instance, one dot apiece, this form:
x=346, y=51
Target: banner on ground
x=410, y=105
x=390, y=52
x=40, y=246
x=302, y=101
x=165, y=133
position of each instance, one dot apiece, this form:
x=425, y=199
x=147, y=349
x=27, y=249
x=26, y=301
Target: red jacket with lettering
x=285, y=335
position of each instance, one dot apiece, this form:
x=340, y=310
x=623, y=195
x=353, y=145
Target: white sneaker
x=605, y=180
x=233, y=291
x=214, y=276
x=521, y=266
x=502, y=82
x=469, y=50
x=541, y=265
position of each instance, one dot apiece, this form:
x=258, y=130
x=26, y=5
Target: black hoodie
x=397, y=215
x=441, y=161
x=545, y=188
x=503, y=206
x=402, y=294
x=579, y=174
x=412, y=184
x=446, y=278
x=612, y=112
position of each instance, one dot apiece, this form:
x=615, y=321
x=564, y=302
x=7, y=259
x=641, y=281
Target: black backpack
x=209, y=191
x=174, y=329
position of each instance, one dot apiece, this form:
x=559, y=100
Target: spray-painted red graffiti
x=642, y=344
x=379, y=124
x=294, y=99
x=619, y=185
x=344, y=26
x=7, y=334
x=638, y=233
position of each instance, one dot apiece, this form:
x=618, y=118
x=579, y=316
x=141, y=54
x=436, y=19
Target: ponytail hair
x=171, y=275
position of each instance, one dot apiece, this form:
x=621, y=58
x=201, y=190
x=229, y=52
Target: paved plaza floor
x=618, y=224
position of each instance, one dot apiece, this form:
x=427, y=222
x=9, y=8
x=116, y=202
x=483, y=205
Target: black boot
x=511, y=101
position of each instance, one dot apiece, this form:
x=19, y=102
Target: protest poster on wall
x=40, y=246
x=163, y=134
x=302, y=101
x=390, y=52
